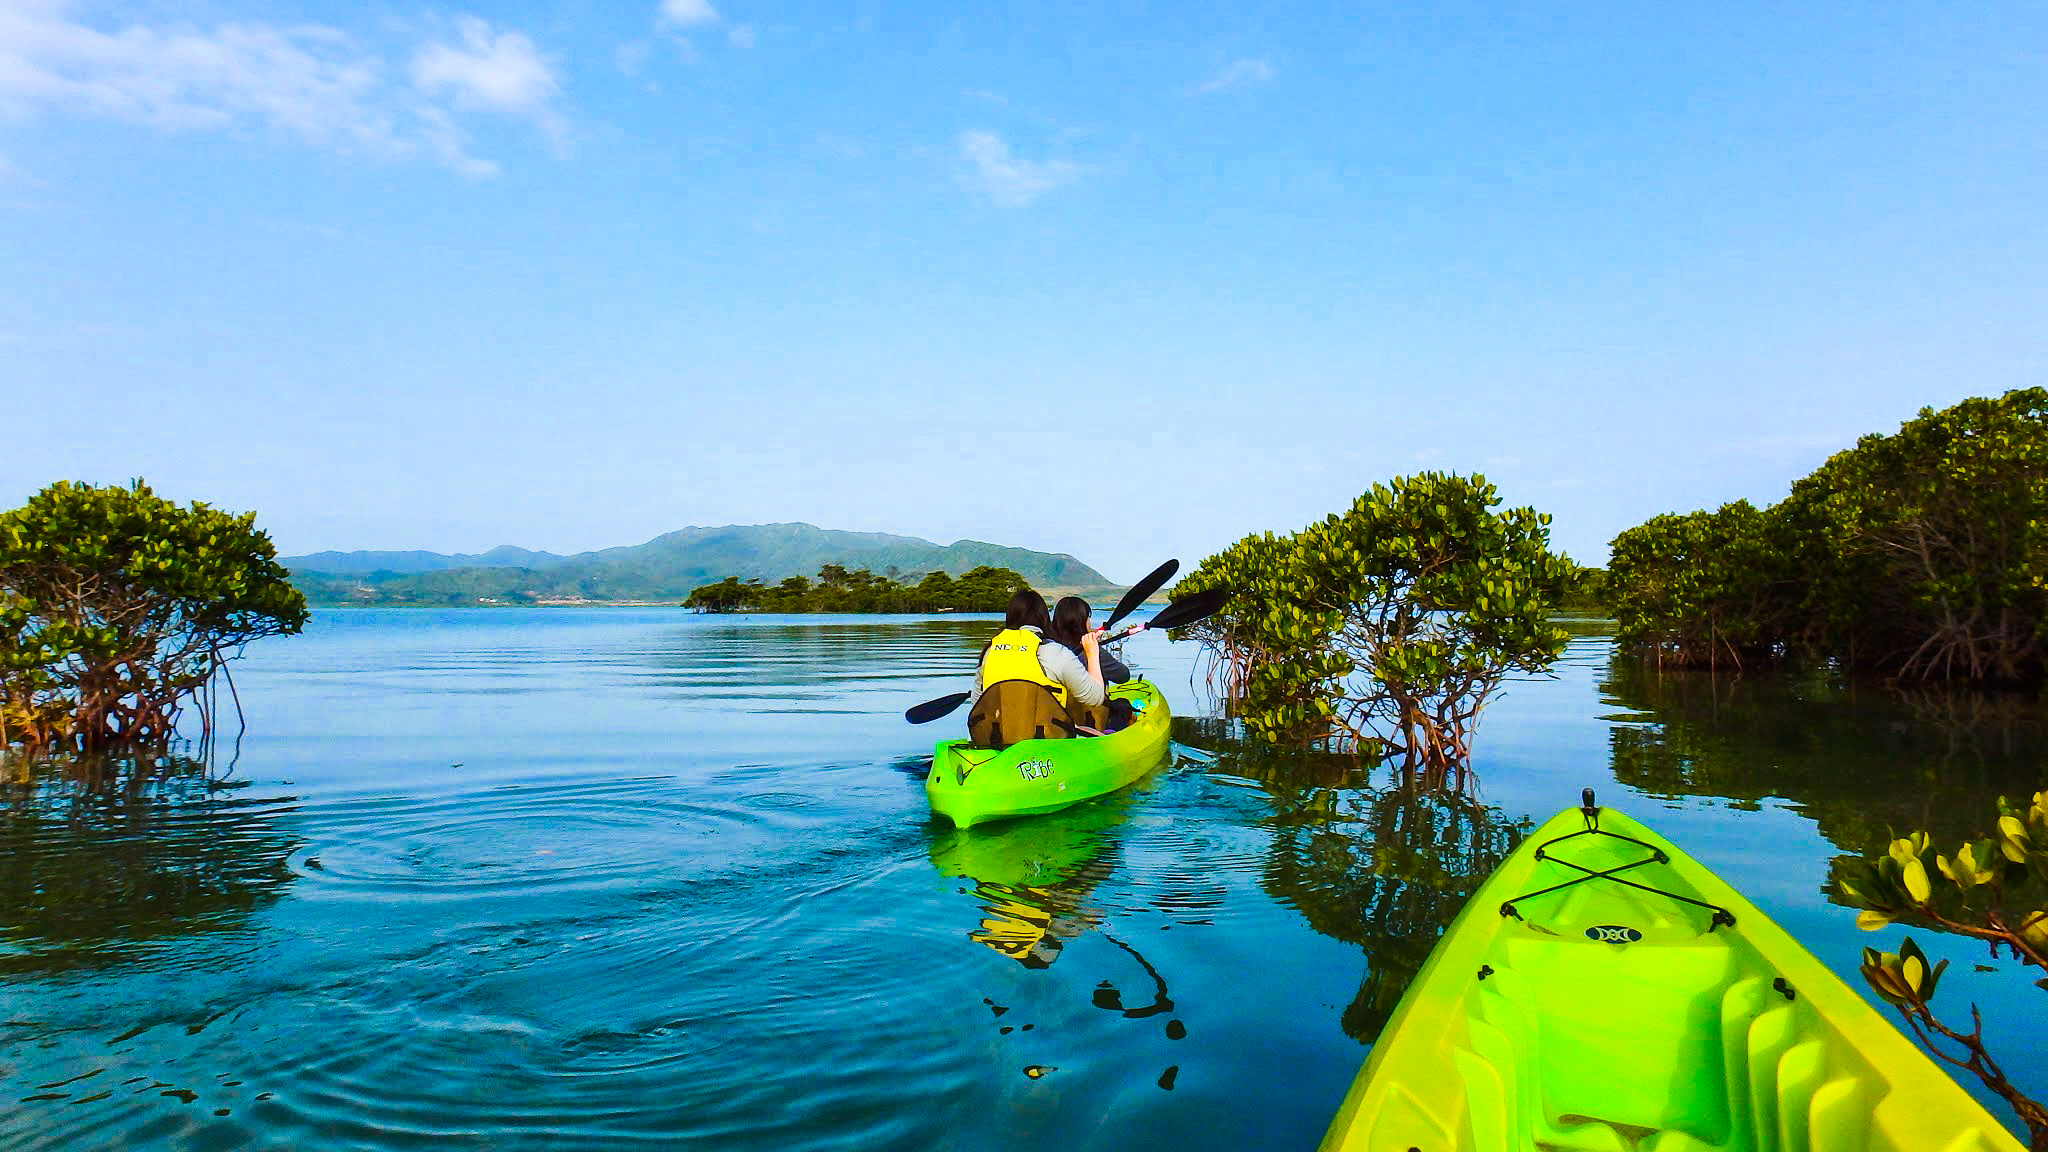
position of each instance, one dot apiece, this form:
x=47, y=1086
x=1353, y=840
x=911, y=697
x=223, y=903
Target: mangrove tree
x=838, y=589
x=1922, y=555
x=1385, y=629
x=118, y=606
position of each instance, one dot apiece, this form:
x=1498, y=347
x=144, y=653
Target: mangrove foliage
x=1384, y=630
x=117, y=608
x=1993, y=888
x=985, y=589
x=1920, y=556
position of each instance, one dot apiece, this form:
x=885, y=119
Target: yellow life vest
x=1013, y=655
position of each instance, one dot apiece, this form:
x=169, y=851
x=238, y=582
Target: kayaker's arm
x=1114, y=671
x=1083, y=683
x=1091, y=646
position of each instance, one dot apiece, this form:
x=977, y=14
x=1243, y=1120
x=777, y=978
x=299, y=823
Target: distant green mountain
x=667, y=567
x=503, y=556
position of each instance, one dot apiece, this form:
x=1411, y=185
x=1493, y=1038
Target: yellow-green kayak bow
x=1604, y=992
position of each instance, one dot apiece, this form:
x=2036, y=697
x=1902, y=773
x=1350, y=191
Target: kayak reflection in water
x=1032, y=925
x=1033, y=878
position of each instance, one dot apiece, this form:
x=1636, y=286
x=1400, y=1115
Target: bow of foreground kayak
x=972, y=785
x=1604, y=992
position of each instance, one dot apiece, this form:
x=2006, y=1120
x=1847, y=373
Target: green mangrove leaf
x=1914, y=875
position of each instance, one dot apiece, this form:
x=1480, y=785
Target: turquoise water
x=615, y=878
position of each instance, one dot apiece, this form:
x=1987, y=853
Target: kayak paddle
x=931, y=710
x=1142, y=591
x=1186, y=610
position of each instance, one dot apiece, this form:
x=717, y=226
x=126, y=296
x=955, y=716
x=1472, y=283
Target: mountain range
x=667, y=567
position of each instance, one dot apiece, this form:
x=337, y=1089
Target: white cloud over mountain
x=314, y=83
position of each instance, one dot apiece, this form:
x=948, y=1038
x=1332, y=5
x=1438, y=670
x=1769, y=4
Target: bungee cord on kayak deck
x=1722, y=917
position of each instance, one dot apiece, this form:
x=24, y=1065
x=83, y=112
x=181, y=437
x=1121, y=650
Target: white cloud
x=309, y=82
x=1244, y=73
x=305, y=80
x=688, y=13
x=1008, y=179
x=742, y=35
x=450, y=144
x=497, y=70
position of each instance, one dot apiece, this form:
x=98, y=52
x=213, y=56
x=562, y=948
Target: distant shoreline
x=1098, y=596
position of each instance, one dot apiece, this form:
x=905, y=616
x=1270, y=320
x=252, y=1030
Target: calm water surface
x=616, y=878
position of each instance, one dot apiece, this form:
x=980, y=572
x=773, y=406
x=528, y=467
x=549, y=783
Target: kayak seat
x=1013, y=710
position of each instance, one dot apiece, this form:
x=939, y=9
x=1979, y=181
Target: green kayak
x=972, y=785
x=1603, y=991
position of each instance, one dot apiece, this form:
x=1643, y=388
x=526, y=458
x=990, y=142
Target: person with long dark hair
x=1070, y=619
x=1028, y=688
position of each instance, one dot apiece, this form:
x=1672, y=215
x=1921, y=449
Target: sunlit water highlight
x=616, y=878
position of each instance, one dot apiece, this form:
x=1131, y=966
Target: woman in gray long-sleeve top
x=1069, y=621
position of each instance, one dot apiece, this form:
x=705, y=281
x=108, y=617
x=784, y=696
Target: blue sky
x=1121, y=280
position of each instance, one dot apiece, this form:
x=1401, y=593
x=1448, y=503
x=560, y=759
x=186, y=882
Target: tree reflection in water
x=1863, y=761
x=1387, y=869
x=104, y=858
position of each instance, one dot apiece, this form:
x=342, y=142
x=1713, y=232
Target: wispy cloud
x=678, y=19
x=688, y=13
x=1008, y=179
x=1246, y=73
x=309, y=82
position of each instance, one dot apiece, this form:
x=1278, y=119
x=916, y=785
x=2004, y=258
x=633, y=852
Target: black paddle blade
x=931, y=710
x=1141, y=592
x=1190, y=608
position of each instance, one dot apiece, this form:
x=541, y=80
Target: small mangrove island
x=838, y=589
